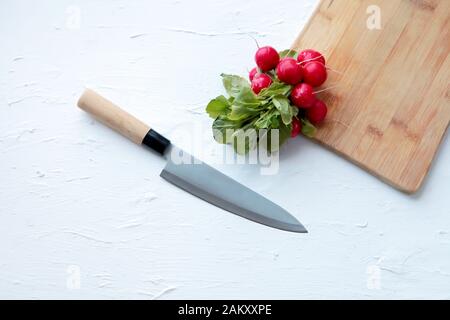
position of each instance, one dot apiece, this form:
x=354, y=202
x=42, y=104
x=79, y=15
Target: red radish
x=267, y=58
x=296, y=127
x=260, y=81
x=317, y=113
x=252, y=73
x=310, y=55
x=288, y=71
x=314, y=73
x=303, y=96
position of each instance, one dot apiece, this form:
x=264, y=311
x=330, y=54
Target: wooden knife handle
x=112, y=116
x=121, y=121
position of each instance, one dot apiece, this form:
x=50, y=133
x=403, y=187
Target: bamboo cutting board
x=390, y=108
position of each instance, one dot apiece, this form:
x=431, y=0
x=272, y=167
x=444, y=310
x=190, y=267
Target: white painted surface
x=77, y=199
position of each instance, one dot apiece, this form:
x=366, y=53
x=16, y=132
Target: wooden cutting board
x=391, y=106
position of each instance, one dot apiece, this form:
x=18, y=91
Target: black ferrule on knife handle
x=156, y=141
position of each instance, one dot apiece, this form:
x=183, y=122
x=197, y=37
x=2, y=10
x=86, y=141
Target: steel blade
x=209, y=184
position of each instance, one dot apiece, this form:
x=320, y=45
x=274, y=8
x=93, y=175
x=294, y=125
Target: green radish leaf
x=234, y=84
x=288, y=53
x=244, y=105
x=263, y=123
x=268, y=120
x=275, y=122
x=276, y=88
x=223, y=129
x=283, y=105
x=218, y=106
x=246, y=97
x=308, y=128
x=242, y=112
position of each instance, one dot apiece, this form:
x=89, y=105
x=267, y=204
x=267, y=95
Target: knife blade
x=191, y=174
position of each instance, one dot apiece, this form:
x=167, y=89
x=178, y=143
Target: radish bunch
x=305, y=71
x=281, y=95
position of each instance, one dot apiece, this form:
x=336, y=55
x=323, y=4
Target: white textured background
x=75, y=196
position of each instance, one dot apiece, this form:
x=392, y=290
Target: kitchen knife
x=191, y=174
